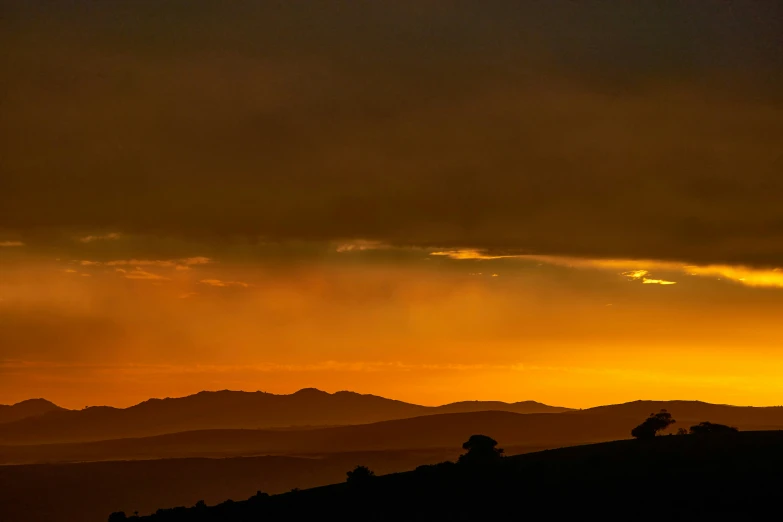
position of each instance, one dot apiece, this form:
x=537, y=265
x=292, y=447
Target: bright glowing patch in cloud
x=106, y=237
x=142, y=262
x=757, y=277
x=471, y=254
x=658, y=282
x=744, y=275
x=637, y=275
x=198, y=260
x=361, y=245
x=163, y=263
x=223, y=284
x=11, y=244
x=179, y=264
x=138, y=273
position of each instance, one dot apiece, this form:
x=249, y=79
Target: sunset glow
x=431, y=202
x=394, y=322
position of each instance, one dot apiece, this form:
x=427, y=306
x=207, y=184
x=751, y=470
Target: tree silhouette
x=480, y=449
x=682, y=431
x=360, y=475
x=705, y=428
x=117, y=516
x=652, y=425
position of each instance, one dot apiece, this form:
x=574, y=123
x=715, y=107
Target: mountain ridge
x=441, y=430
x=25, y=409
x=310, y=408
x=227, y=409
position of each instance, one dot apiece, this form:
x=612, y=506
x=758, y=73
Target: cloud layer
x=646, y=130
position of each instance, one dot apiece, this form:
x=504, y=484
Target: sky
x=575, y=203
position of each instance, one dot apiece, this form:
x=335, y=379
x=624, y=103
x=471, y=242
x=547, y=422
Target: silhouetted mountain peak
x=516, y=407
x=38, y=403
x=348, y=393
x=25, y=409
x=310, y=392
x=99, y=408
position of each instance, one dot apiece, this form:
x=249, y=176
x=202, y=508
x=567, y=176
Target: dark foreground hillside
x=88, y=491
x=664, y=478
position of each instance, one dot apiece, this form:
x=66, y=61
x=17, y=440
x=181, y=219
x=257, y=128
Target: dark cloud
x=636, y=129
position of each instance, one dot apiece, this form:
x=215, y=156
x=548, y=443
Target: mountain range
x=95, y=434
x=447, y=430
x=231, y=410
x=234, y=422
x=61, y=458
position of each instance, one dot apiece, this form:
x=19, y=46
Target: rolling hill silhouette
x=309, y=409
x=745, y=417
x=541, y=430
x=305, y=456
x=669, y=477
x=514, y=407
x=431, y=431
x=24, y=409
x=87, y=492
x=231, y=410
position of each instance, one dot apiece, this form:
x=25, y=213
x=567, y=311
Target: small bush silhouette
x=360, y=475
x=652, y=425
x=480, y=449
x=705, y=428
x=682, y=431
x=117, y=516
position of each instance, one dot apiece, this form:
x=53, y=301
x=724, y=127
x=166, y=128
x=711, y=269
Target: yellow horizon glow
x=567, y=333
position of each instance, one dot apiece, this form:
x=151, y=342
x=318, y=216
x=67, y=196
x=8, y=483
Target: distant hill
x=24, y=409
x=734, y=477
x=690, y=412
x=431, y=431
x=309, y=408
x=231, y=410
x=542, y=430
x=514, y=407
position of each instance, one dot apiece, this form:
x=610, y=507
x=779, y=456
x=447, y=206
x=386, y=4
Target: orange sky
x=402, y=323
x=576, y=203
